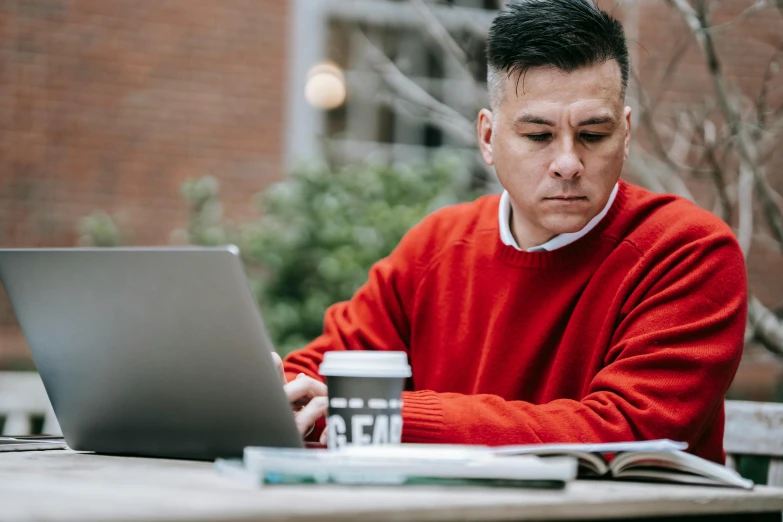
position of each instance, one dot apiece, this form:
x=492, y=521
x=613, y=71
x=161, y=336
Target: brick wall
x=111, y=104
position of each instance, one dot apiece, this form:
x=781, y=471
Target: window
x=376, y=122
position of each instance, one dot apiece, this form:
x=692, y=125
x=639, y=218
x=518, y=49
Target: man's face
x=558, y=142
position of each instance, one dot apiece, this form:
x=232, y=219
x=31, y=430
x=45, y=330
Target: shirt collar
x=504, y=217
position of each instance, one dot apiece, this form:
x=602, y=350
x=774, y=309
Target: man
x=574, y=307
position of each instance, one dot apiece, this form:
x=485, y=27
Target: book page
x=676, y=466
x=606, y=447
x=590, y=464
x=657, y=475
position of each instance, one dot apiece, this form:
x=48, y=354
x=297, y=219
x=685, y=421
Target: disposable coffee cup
x=365, y=396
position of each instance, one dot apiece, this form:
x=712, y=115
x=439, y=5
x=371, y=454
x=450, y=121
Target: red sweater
x=632, y=332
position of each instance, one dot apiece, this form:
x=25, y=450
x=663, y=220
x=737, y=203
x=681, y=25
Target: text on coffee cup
x=365, y=429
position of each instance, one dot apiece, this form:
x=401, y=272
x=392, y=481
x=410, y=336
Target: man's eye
x=592, y=138
x=539, y=137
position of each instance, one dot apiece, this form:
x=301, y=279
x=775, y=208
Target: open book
x=658, y=460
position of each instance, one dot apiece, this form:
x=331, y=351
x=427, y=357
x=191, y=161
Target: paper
x=607, y=447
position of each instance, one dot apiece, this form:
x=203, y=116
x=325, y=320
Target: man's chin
x=565, y=224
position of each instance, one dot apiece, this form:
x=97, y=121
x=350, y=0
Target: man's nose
x=566, y=164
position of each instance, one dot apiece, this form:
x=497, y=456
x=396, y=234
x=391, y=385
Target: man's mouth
x=567, y=198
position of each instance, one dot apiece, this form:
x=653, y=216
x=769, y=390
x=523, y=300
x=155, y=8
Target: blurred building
x=112, y=105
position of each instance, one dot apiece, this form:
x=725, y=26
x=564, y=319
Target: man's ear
x=484, y=129
x=627, y=132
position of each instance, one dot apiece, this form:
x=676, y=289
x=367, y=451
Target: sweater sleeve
x=376, y=317
x=674, y=352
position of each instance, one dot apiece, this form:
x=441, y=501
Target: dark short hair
x=567, y=34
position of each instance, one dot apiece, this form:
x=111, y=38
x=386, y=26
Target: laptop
x=157, y=352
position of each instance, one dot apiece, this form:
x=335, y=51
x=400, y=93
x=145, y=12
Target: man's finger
x=324, y=437
x=279, y=366
x=304, y=388
x=307, y=416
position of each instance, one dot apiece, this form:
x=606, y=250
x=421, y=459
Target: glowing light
x=325, y=87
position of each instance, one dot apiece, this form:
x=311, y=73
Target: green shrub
x=320, y=232
x=99, y=229
x=205, y=222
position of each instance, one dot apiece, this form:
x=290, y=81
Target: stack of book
x=534, y=466
x=403, y=464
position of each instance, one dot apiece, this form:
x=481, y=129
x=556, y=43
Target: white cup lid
x=360, y=363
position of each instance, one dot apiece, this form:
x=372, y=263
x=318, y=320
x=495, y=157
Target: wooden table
x=65, y=485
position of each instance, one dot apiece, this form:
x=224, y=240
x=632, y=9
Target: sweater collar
x=575, y=249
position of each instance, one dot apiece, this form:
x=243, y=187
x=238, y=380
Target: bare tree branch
x=747, y=153
x=446, y=125
x=776, y=198
x=656, y=174
x=757, y=6
x=762, y=99
x=438, y=32
x=418, y=103
x=681, y=141
x=441, y=36
x=767, y=328
x=767, y=241
x=418, y=112
x=668, y=73
x=770, y=141
x=649, y=125
x=698, y=26
x=745, y=202
x=772, y=213
x=448, y=119
x=648, y=177
x=718, y=176
x=720, y=185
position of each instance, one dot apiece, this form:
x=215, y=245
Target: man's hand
x=308, y=398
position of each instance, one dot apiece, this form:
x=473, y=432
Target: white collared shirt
x=504, y=215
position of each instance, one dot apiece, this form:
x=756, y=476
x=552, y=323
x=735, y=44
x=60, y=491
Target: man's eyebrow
x=597, y=120
x=532, y=118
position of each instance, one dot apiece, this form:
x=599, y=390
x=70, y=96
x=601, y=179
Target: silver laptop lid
x=150, y=351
